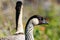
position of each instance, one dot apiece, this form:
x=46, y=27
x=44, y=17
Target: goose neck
x=29, y=32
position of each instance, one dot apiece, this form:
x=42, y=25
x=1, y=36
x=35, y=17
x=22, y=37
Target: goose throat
x=29, y=32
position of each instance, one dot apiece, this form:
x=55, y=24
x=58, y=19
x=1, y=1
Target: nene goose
x=34, y=20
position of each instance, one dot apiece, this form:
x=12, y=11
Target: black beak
x=44, y=21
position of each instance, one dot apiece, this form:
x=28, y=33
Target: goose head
x=38, y=20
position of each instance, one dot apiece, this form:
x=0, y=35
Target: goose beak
x=44, y=21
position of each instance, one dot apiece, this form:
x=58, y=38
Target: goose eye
x=41, y=18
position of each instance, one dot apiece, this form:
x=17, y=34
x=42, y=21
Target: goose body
x=19, y=35
x=28, y=35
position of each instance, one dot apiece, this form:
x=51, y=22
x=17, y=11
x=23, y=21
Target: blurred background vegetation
x=46, y=8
